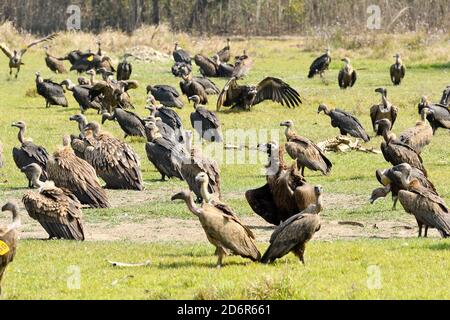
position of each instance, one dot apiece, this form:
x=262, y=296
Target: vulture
x=53, y=63
x=224, y=70
x=167, y=115
x=304, y=151
x=15, y=57
x=8, y=239
x=397, y=70
x=1, y=155
x=166, y=155
x=286, y=192
x=198, y=163
x=246, y=96
x=438, y=116
x=113, y=160
x=200, y=86
x=397, y=152
x=320, y=64
x=70, y=172
x=445, y=99
x=81, y=95
x=224, y=54
x=208, y=67
x=181, y=68
x=82, y=62
x=167, y=95
x=180, y=55
x=293, y=234
x=347, y=123
x=114, y=93
x=124, y=68
x=223, y=229
x=56, y=209
x=52, y=92
x=164, y=130
x=347, y=76
x=205, y=122
x=428, y=208
x=384, y=110
x=131, y=124
x=242, y=66
x=73, y=56
x=88, y=81
x=419, y=136
x=29, y=153
x=390, y=179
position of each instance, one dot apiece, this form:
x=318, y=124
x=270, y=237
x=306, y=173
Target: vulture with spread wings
x=246, y=96
x=15, y=57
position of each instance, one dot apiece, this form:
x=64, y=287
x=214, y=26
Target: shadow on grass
x=440, y=246
x=189, y=264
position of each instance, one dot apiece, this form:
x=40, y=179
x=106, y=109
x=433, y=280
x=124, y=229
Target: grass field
x=411, y=268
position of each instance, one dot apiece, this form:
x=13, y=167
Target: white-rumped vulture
x=438, y=115
x=124, y=68
x=8, y=239
x=81, y=95
x=29, y=153
x=130, y=123
x=293, y=234
x=53, y=63
x=245, y=96
x=15, y=57
x=205, y=122
x=305, y=152
x=181, y=55
x=57, y=210
x=347, y=123
x=52, y=92
x=419, y=136
x=167, y=95
x=397, y=70
x=347, y=76
x=223, y=229
x=383, y=110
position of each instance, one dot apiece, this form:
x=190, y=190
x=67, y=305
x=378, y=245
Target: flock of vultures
x=68, y=180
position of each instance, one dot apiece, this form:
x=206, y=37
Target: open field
x=147, y=225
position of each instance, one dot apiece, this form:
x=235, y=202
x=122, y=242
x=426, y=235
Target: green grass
x=369, y=269
x=184, y=271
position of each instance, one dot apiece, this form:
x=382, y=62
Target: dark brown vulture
x=28, y=153
x=180, y=68
x=305, y=152
x=347, y=123
x=167, y=95
x=190, y=87
x=397, y=70
x=53, y=63
x=131, y=124
x=397, y=152
x=205, y=122
x=8, y=239
x=428, y=208
x=208, y=67
x=293, y=234
x=445, y=99
x=242, y=66
x=52, y=92
x=286, y=192
x=114, y=93
x=347, y=76
x=223, y=70
x=81, y=95
x=438, y=116
x=124, y=69
x=223, y=229
x=320, y=64
x=70, y=172
x=15, y=57
x=384, y=110
x=180, y=55
x=167, y=115
x=113, y=160
x=167, y=155
x=419, y=136
x=246, y=96
x=57, y=210
x=224, y=54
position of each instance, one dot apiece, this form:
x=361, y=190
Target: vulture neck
x=81, y=126
x=276, y=160
x=207, y=197
x=288, y=132
x=388, y=135
x=191, y=206
x=385, y=101
x=36, y=182
x=70, y=85
x=16, y=223
x=319, y=204
x=21, y=135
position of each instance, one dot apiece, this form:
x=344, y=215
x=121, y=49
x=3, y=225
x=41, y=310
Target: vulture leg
x=30, y=185
x=163, y=177
x=17, y=73
x=10, y=71
x=420, y=229
x=220, y=253
x=300, y=252
x=395, y=199
x=426, y=232
x=303, y=171
x=125, y=136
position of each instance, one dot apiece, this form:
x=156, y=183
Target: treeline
x=238, y=17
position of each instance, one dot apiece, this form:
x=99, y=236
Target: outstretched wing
x=49, y=37
x=229, y=93
x=278, y=91
x=6, y=51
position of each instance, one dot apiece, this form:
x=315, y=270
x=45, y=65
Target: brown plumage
x=242, y=66
x=397, y=70
x=347, y=76
x=8, y=240
x=113, y=160
x=419, y=136
x=383, y=110
x=397, y=152
x=293, y=234
x=224, y=54
x=391, y=181
x=54, y=63
x=190, y=87
x=428, y=208
x=305, y=152
x=208, y=67
x=68, y=171
x=57, y=210
x=223, y=229
x=286, y=192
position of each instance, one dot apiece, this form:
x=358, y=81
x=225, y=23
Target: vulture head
x=381, y=91
x=94, y=127
x=324, y=108
x=378, y=193
x=38, y=77
x=9, y=206
x=383, y=126
x=32, y=172
x=91, y=72
x=195, y=99
x=19, y=124
x=318, y=190
x=382, y=177
x=80, y=119
x=287, y=123
x=183, y=195
x=346, y=60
